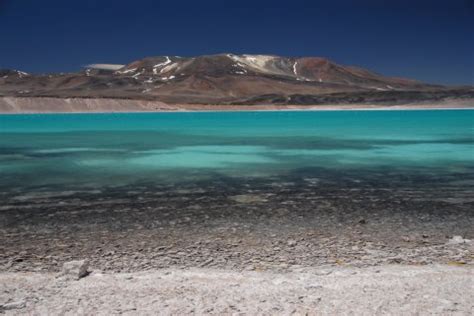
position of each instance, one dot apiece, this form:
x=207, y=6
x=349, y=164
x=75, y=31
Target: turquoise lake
x=70, y=150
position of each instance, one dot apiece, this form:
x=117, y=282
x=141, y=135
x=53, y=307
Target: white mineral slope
x=11, y=105
x=383, y=290
x=75, y=105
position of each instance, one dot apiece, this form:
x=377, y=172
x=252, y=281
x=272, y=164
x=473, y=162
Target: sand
x=385, y=290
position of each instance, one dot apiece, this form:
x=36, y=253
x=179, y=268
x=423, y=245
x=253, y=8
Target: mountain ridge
x=226, y=79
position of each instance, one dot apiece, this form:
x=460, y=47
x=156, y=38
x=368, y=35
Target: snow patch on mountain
x=168, y=68
x=168, y=78
x=122, y=72
x=294, y=68
x=22, y=74
x=259, y=63
x=159, y=65
x=138, y=74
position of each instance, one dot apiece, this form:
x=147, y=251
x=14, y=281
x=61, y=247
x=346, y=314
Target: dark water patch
x=147, y=140
x=59, y=179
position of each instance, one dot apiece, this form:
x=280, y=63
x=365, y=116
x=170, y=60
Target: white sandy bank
x=401, y=290
x=12, y=105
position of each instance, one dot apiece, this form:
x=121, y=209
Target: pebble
x=13, y=305
x=248, y=198
x=233, y=227
x=458, y=240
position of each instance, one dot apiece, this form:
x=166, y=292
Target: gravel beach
x=242, y=224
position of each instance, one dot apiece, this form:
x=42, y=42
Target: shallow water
x=178, y=189
x=75, y=150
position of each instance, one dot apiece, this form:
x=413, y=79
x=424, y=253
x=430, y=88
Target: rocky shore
x=247, y=224
x=325, y=244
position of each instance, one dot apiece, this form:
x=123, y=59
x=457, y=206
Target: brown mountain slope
x=227, y=79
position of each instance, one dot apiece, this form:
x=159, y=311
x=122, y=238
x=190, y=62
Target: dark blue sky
x=431, y=41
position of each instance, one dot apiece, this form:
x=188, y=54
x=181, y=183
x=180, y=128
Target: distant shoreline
x=44, y=105
x=249, y=110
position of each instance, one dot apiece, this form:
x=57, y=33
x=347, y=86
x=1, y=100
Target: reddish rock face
x=224, y=78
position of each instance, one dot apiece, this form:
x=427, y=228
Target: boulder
x=75, y=269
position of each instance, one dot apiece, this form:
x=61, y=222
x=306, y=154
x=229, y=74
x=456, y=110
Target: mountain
x=227, y=79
